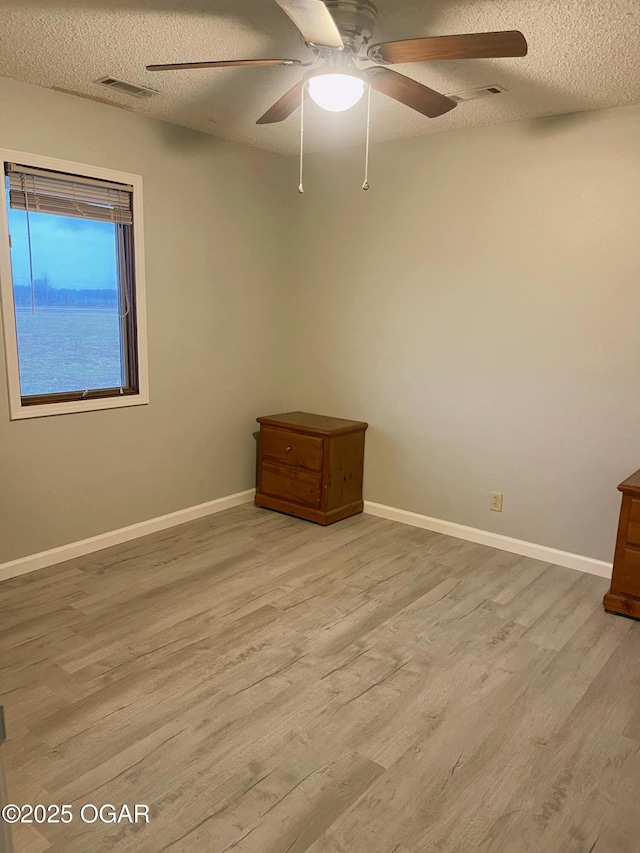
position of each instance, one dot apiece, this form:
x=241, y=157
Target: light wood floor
x=270, y=686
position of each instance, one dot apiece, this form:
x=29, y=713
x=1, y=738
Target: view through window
x=66, y=294
x=69, y=290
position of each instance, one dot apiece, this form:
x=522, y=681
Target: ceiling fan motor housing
x=355, y=19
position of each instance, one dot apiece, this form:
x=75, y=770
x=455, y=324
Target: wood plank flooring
x=269, y=686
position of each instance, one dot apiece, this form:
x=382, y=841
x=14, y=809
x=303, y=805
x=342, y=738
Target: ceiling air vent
x=474, y=94
x=127, y=88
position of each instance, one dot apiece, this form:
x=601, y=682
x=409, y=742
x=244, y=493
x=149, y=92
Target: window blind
x=42, y=191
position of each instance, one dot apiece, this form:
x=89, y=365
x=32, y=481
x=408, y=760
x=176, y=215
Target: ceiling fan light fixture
x=336, y=91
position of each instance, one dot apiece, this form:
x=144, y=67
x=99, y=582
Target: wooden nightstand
x=311, y=466
x=624, y=595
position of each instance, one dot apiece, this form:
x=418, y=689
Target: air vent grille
x=127, y=88
x=474, y=94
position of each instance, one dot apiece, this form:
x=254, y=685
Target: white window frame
x=16, y=409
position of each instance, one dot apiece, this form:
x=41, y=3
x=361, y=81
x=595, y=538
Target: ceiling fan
x=338, y=33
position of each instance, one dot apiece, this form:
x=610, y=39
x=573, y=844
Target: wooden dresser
x=311, y=466
x=624, y=595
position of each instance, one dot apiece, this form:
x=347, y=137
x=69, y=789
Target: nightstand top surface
x=309, y=423
x=631, y=485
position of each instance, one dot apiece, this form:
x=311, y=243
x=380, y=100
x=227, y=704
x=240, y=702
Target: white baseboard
x=42, y=560
x=493, y=540
x=124, y=534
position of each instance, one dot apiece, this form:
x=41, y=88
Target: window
x=71, y=281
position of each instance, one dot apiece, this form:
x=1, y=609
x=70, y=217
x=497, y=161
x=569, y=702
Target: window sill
x=20, y=412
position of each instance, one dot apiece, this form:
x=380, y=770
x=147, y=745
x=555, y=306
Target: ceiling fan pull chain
x=300, y=185
x=365, y=185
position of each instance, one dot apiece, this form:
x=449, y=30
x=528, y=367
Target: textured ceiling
x=583, y=54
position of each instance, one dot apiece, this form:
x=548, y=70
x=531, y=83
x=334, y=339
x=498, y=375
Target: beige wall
x=215, y=250
x=480, y=307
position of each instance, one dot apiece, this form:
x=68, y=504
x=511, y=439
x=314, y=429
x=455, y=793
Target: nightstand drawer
x=633, y=528
x=627, y=577
x=301, y=451
x=298, y=486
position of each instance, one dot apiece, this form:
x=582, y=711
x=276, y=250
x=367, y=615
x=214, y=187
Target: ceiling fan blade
x=409, y=92
x=226, y=63
x=314, y=21
x=468, y=46
x=283, y=108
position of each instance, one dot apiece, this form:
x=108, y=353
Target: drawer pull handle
x=288, y=448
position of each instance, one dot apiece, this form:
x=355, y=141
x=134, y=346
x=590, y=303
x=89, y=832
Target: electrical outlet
x=496, y=501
